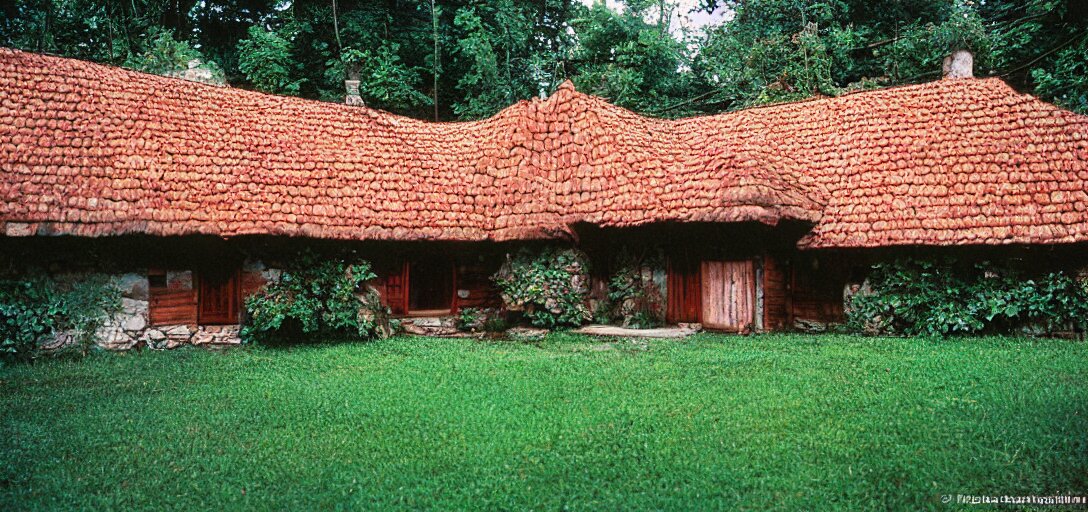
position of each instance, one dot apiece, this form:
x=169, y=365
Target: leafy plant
x=481, y=319
x=941, y=298
x=317, y=299
x=265, y=58
x=385, y=80
x=549, y=286
x=36, y=308
x=162, y=54
x=636, y=300
x=469, y=319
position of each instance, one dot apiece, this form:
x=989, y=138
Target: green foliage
x=492, y=53
x=945, y=298
x=550, y=286
x=162, y=54
x=488, y=84
x=632, y=62
x=265, y=58
x=477, y=319
x=384, y=79
x=36, y=308
x=1066, y=81
x=636, y=300
x=316, y=298
x=469, y=319
x=1041, y=46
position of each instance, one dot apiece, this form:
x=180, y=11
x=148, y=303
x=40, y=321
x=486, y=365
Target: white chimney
x=353, y=97
x=960, y=64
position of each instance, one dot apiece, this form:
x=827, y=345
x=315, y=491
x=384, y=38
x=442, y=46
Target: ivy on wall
x=635, y=299
x=550, y=286
x=36, y=309
x=947, y=297
x=317, y=299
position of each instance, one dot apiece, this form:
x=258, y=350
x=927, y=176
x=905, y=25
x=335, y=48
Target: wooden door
x=684, y=295
x=729, y=292
x=217, y=297
x=396, y=289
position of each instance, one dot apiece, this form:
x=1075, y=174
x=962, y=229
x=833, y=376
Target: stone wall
x=130, y=328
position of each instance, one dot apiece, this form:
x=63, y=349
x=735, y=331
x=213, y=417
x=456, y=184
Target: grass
x=713, y=422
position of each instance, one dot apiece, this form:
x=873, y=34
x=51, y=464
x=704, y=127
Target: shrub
x=469, y=319
x=317, y=299
x=37, y=308
x=265, y=58
x=476, y=319
x=636, y=299
x=550, y=286
x=940, y=298
x=495, y=322
x=161, y=54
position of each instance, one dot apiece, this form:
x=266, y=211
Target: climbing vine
x=549, y=286
x=36, y=308
x=947, y=297
x=317, y=299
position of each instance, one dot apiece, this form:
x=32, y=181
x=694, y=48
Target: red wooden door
x=684, y=295
x=396, y=290
x=729, y=294
x=217, y=297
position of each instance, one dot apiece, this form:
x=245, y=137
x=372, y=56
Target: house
x=191, y=192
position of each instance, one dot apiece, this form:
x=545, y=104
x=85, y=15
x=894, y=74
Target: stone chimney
x=960, y=64
x=353, y=97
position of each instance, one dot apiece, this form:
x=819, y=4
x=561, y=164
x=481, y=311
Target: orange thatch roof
x=94, y=150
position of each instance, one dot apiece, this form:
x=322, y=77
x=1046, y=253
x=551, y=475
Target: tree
x=383, y=78
x=501, y=57
x=471, y=58
x=634, y=63
x=265, y=58
x=163, y=55
x=766, y=51
x=1042, y=46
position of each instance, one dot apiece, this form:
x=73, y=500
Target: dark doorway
x=217, y=295
x=430, y=286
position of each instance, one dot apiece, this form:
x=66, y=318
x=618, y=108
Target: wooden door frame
x=236, y=280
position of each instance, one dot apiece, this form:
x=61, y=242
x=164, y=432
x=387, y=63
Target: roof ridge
x=863, y=92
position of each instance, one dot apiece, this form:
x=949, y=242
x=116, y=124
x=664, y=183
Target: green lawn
x=715, y=422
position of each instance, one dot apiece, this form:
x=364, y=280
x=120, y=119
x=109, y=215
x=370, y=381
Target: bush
x=476, y=319
x=946, y=298
x=550, y=287
x=265, y=58
x=37, y=308
x=317, y=299
x=161, y=54
x=635, y=298
x=469, y=319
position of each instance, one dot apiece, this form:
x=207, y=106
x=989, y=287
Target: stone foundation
x=130, y=328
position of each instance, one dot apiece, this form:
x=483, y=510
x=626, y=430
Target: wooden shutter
x=217, y=297
x=170, y=305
